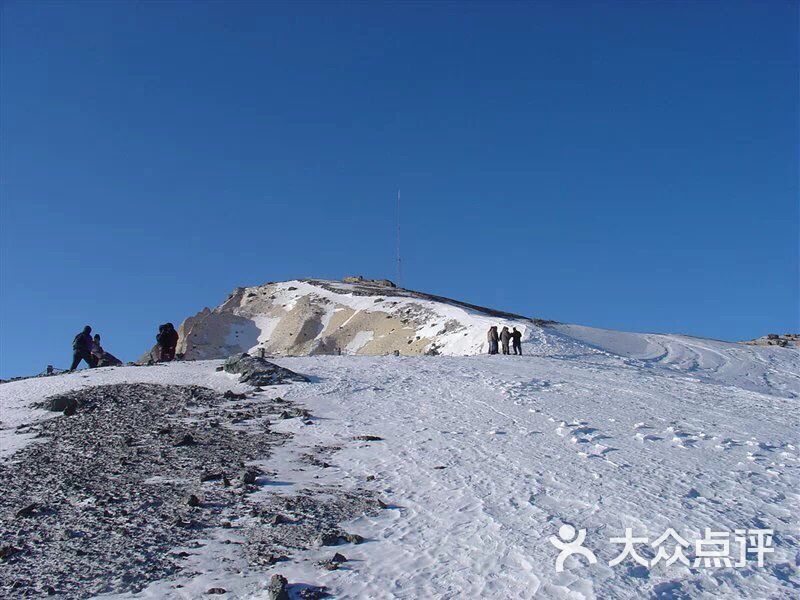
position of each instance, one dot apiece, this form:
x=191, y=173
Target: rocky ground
x=131, y=472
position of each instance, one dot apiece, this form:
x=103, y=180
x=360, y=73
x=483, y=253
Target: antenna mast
x=399, y=261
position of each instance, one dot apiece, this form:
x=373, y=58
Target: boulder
x=257, y=371
x=276, y=590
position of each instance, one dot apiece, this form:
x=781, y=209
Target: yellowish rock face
x=311, y=317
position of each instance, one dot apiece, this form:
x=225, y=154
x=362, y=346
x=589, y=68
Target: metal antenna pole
x=399, y=261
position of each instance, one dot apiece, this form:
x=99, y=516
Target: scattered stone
x=231, y=395
x=193, y=501
x=353, y=538
x=368, y=438
x=8, y=551
x=61, y=403
x=211, y=476
x=276, y=590
x=220, y=368
x=329, y=538
x=250, y=475
x=382, y=504
x=217, y=591
x=27, y=511
x=186, y=440
x=165, y=430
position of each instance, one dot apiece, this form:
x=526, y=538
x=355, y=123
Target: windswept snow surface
x=484, y=458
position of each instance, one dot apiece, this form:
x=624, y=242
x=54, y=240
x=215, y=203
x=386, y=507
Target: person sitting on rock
x=167, y=339
x=492, y=337
x=103, y=358
x=505, y=337
x=516, y=341
x=82, y=349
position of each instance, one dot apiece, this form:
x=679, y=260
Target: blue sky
x=630, y=165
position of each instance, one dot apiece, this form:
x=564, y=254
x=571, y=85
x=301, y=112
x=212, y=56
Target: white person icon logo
x=568, y=548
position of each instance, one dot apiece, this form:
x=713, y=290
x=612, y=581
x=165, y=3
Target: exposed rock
x=367, y=438
x=277, y=588
x=250, y=475
x=27, y=511
x=186, y=440
x=193, y=501
x=785, y=340
x=216, y=591
x=257, y=371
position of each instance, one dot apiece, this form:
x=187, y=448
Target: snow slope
x=484, y=458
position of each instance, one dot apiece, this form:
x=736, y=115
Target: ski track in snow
x=483, y=458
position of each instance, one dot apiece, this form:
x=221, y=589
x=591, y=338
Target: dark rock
x=27, y=511
x=277, y=588
x=250, y=475
x=220, y=368
x=257, y=371
x=193, y=501
x=217, y=591
x=339, y=558
x=8, y=551
x=353, y=538
x=213, y=476
x=367, y=438
x=186, y=440
x=277, y=519
x=381, y=503
x=230, y=395
x=61, y=403
x=70, y=410
x=329, y=538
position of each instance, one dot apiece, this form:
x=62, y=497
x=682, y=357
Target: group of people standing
x=502, y=339
x=88, y=349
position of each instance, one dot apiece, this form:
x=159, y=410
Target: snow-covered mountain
x=363, y=317
x=386, y=476
x=314, y=316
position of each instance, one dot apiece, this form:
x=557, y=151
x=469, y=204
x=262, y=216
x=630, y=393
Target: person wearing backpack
x=82, y=349
x=167, y=339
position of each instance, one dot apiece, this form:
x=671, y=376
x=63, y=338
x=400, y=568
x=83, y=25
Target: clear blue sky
x=630, y=165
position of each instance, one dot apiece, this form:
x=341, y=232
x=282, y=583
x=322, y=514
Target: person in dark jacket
x=167, y=339
x=82, y=349
x=492, y=337
x=505, y=338
x=516, y=341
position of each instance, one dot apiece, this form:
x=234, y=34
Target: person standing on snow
x=505, y=337
x=492, y=337
x=167, y=339
x=516, y=341
x=82, y=349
